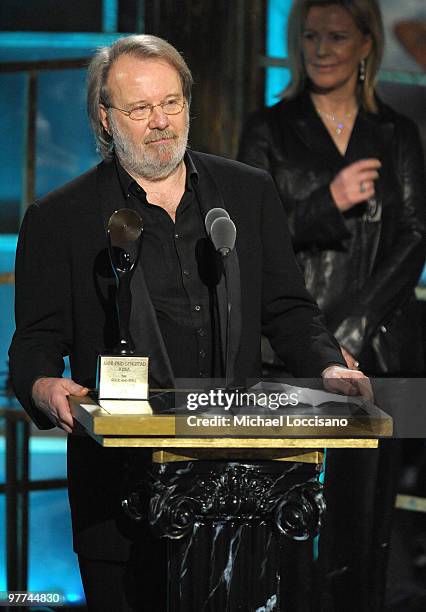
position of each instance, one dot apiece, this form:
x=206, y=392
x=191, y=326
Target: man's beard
x=151, y=163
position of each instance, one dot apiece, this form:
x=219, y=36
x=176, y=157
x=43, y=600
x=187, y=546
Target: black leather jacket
x=360, y=266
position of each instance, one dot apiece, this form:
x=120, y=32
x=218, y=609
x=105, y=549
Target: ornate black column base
x=240, y=533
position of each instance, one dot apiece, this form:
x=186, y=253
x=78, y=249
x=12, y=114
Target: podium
x=239, y=513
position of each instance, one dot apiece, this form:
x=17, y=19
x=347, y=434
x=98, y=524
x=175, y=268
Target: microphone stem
x=228, y=374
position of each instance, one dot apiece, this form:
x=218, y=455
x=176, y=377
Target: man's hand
x=347, y=382
x=351, y=362
x=51, y=396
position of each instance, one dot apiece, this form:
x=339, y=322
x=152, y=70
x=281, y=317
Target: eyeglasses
x=169, y=107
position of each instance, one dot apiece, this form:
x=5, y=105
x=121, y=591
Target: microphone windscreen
x=212, y=215
x=223, y=234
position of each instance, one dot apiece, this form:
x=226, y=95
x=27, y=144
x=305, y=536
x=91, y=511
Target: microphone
x=223, y=234
x=212, y=215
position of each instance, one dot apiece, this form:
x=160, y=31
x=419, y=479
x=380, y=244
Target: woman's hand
x=355, y=183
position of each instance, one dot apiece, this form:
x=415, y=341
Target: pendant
x=339, y=128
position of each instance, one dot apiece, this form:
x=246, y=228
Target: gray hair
x=142, y=46
x=367, y=16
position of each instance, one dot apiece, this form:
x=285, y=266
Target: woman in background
x=350, y=174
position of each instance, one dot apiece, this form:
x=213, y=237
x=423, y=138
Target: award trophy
x=122, y=374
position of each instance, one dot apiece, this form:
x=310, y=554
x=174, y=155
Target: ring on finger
x=362, y=187
x=356, y=364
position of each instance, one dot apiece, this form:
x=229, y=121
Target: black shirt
x=178, y=263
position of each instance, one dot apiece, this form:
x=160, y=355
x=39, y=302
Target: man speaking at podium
x=139, y=93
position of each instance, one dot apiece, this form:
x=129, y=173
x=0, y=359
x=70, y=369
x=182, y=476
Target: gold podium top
x=159, y=432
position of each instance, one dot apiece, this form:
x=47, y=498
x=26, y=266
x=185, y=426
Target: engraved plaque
x=123, y=377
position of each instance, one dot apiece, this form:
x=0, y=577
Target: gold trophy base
x=123, y=384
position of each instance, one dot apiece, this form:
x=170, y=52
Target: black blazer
x=360, y=266
x=65, y=305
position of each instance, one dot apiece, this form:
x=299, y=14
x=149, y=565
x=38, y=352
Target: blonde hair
x=368, y=18
x=143, y=46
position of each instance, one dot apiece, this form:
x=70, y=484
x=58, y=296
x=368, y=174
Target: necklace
x=340, y=125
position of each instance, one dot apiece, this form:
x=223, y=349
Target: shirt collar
x=129, y=185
